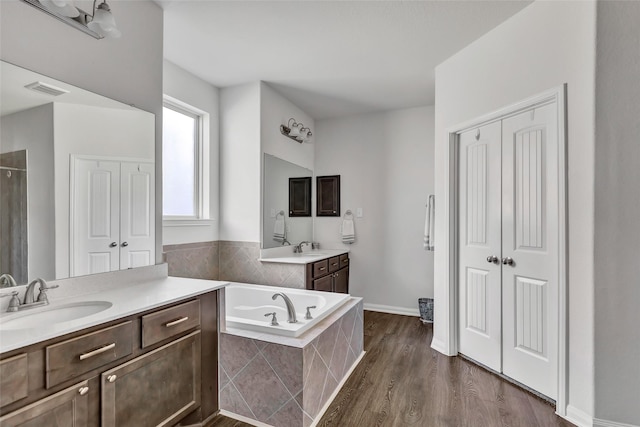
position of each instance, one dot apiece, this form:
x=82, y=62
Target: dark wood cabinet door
x=65, y=408
x=300, y=196
x=341, y=281
x=323, y=284
x=158, y=388
x=328, y=195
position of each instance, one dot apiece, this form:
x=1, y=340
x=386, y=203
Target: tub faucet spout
x=291, y=311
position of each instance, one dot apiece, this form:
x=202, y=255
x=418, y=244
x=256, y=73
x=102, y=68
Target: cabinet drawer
x=13, y=379
x=320, y=268
x=344, y=260
x=170, y=322
x=334, y=264
x=76, y=356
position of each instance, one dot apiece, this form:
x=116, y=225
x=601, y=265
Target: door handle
x=113, y=244
x=492, y=259
x=508, y=261
x=125, y=244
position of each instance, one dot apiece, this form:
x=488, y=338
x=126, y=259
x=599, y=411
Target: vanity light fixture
x=296, y=131
x=99, y=24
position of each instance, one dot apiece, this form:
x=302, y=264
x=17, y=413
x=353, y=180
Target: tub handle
x=308, y=315
x=274, y=321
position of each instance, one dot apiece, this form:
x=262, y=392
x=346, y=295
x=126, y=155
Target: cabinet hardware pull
x=113, y=244
x=175, y=322
x=322, y=268
x=125, y=244
x=112, y=378
x=83, y=391
x=335, y=263
x=97, y=351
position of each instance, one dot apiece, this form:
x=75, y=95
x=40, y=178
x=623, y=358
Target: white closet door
x=137, y=238
x=479, y=242
x=96, y=217
x=530, y=239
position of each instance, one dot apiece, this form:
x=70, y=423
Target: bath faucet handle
x=15, y=301
x=308, y=315
x=274, y=321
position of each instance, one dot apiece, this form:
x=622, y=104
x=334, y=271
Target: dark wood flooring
x=401, y=381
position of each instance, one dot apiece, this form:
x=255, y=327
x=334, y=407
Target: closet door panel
x=479, y=241
x=95, y=199
x=530, y=239
x=137, y=248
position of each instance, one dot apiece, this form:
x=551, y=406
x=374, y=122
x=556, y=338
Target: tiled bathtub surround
x=193, y=260
x=286, y=385
x=239, y=263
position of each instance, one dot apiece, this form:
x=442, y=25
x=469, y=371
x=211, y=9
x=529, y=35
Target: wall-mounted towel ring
x=280, y=213
x=348, y=213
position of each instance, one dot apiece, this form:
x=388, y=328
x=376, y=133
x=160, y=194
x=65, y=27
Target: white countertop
x=303, y=258
x=127, y=300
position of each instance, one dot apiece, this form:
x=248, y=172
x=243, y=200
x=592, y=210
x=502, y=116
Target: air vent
x=46, y=88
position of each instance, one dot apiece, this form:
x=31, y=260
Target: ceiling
x=16, y=97
x=330, y=58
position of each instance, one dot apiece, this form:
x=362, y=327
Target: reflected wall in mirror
x=276, y=220
x=77, y=187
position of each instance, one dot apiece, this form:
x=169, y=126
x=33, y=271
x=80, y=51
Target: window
x=183, y=168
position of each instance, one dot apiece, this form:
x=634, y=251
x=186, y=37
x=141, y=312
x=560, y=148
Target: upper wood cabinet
x=328, y=195
x=300, y=196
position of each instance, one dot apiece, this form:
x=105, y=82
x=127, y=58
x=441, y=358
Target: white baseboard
x=392, y=309
x=605, y=423
x=244, y=419
x=578, y=417
x=337, y=390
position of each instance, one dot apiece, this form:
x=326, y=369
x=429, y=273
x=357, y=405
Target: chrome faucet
x=297, y=249
x=291, y=310
x=6, y=280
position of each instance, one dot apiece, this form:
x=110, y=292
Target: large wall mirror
x=76, y=178
x=279, y=227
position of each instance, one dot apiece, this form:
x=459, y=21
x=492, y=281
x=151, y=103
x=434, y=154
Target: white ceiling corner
x=330, y=58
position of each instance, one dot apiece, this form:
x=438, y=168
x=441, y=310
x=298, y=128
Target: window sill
x=187, y=222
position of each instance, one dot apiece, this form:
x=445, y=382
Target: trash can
x=425, y=306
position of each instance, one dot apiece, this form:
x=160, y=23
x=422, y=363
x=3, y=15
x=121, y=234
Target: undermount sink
x=50, y=315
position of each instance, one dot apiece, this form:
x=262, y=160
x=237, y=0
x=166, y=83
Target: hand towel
x=429, y=224
x=348, y=230
x=279, y=233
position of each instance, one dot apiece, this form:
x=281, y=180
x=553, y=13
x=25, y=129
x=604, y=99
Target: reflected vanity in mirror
x=277, y=217
x=77, y=180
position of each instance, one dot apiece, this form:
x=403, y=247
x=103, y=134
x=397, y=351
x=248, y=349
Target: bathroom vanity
x=329, y=275
x=148, y=360
x=323, y=270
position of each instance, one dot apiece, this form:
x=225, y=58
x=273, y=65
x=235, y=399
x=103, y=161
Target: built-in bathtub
x=246, y=306
x=269, y=377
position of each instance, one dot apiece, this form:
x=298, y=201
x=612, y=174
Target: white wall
x=276, y=110
x=240, y=163
x=92, y=131
x=128, y=69
x=385, y=163
x=617, y=203
x=186, y=87
x=33, y=130
x=543, y=46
